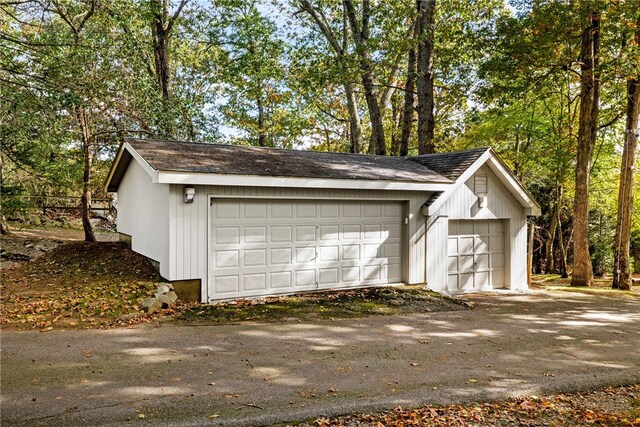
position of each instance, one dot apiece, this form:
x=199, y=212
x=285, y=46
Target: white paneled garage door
x=476, y=255
x=263, y=247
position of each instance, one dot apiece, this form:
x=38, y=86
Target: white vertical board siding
x=501, y=204
x=143, y=214
x=189, y=224
x=437, y=232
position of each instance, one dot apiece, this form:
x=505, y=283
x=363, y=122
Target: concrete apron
x=257, y=373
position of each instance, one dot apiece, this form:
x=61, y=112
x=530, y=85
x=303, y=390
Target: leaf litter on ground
x=610, y=407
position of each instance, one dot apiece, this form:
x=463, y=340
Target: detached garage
x=243, y=222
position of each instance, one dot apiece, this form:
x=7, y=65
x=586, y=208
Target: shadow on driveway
x=255, y=373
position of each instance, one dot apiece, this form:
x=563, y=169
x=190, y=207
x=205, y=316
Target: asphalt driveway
x=266, y=373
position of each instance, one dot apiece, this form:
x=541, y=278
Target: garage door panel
x=372, y=272
x=254, y=282
x=281, y=256
x=328, y=232
x=497, y=260
x=227, y=211
x=372, y=231
x=305, y=254
x=328, y=276
x=497, y=277
x=255, y=234
x=465, y=245
x=481, y=280
x=390, y=250
x=372, y=210
x=226, y=259
x=394, y=272
x=260, y=247
x=466, y=281
x=281, y=280
x=329, y=253
x=392, y=211
x=481, y=262
x=452, y=246
x=305, y=233
x=351, y=232
x=255, y=210
x=481, y=244
x=227, y=284
x=226, y=235
x=452, y=264
x=351, y=274
x=329, y=211
x=465, y=262
x=306, y=211
x=476, y=256
x=281, y=211
x=254, y=257
x=305, y=278
x=497, y=242
x=481, y=227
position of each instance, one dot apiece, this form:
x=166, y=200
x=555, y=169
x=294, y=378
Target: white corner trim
x=275, y=181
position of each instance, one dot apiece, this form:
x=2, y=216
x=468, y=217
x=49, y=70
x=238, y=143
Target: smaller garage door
x=476, y=255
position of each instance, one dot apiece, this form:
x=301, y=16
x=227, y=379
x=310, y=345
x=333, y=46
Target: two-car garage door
x=265, y=247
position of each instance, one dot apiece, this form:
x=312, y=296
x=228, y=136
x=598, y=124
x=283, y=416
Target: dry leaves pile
x=77, y=285
x=619, y=406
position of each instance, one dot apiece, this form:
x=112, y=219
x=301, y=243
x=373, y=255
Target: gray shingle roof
x=452, y=164
x=173, y=156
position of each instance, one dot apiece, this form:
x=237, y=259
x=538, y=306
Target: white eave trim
x=275, y=181
x=146, y=166
x=504, y=175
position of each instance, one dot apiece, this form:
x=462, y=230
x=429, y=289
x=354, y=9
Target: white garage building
x=247, y=221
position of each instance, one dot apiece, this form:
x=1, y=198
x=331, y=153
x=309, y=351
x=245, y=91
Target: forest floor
x=607, y=407
x=52, y=279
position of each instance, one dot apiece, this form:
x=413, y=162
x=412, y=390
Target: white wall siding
x=189, y=224
x=438, y=230
x=463, y=204
x=143, y=213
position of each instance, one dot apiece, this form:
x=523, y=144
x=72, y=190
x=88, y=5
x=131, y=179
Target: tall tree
x=409, y=96
x=425, y=79
x=582, y=274
x=340, y=45
x=162, y=24
x=360, y=32
x=622, y=263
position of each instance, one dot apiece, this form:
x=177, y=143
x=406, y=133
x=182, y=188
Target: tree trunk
x=355, y=125
x=582, y=274
x=564, y=271
x=550, y=263
x=361, y=34
x=622, y=262
x=424, y=81
x=409, y=101
x=262, y=139
x=340, y=48
x=87, y=157
x=377, y=144
x=160, y=35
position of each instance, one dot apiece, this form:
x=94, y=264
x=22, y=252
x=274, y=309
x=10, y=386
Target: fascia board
x=268, y=181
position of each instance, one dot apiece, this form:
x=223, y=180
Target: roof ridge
x=253, y=147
